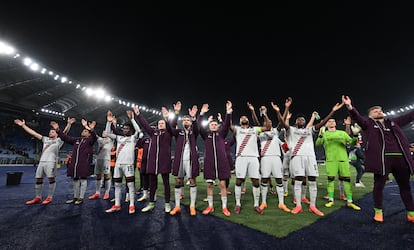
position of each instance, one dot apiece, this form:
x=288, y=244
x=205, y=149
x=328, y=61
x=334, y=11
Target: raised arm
x=55, y=125
x=143, y=122
x=165, y=113
x=256, y=121
x=110, y=127
x=204, y=109
x=69, y=123
x=347, y=122
x=312, y=119
x=22, y=123
x=63, y=136
x=279, y=116
x=267, y=123
x=88, y=125
x=336, y=107
x=177, y=107
x=193, y=111
x=347, y=101
x=227, y=120
x=288, y=102
x=137, y=129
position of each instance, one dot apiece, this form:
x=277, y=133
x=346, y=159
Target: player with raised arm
x=303, y=158
x=48, y=160
x=125, y=157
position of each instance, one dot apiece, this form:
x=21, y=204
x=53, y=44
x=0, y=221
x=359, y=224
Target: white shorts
x=102, y=166
x=247, y=165
x=126, y=170
x=46, y=168
x=271, y=166
x=286, y=166
x=185, y=170
x=304, y=166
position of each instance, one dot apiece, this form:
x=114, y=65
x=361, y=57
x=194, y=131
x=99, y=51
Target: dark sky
x=313, y=53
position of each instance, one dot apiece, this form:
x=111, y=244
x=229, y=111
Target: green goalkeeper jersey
x=334, y=143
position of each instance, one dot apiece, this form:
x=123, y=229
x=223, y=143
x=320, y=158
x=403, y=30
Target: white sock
x=107, y=186
x=38, y=190
x=98, y=184
x=256, y=195
x=237, y=194
x=52, y=188
x=298, y=193
x=281, y=197
x=264, y=189
x=210, y=201
x=177, y=195
x=285, y=186
x=224, y=201
x=145, y=193
x=118, y=193
x=313, y=191
x=83, y=186
x=303, y=188
x=131, y=187
x=76, y=188
x=193, y=196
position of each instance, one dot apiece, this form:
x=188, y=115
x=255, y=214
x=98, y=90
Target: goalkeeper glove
x=321, y=131
x=356, y=129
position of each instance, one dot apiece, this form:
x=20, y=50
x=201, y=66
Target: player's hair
x=374, y=107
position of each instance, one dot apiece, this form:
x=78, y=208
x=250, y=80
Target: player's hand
x=356, y=129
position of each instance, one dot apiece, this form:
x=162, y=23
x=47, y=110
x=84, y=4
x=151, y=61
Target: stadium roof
x=30, y=89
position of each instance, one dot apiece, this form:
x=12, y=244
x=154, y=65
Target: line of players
x=260, y=154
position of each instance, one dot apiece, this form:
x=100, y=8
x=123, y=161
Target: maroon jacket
x=374, y=140
x=81, y=155
x=216, y=164
x=159, y=150
x=144, y=143
x=179, y=134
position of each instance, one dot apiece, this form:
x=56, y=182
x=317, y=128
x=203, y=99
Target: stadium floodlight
x=34, y=66
x=27, y=61
x=6, y=49
x=204, y=123
x=89, y=91
x=108, y=98
x=100, y=93
x=171, y=115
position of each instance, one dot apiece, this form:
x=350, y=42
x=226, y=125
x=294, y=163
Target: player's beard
x=301, y=125
x=245, y=123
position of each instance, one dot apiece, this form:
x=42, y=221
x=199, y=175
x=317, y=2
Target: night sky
x=313, y=53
